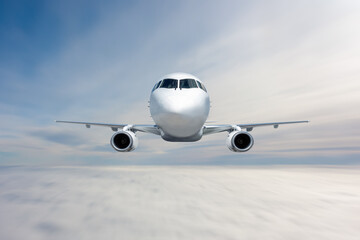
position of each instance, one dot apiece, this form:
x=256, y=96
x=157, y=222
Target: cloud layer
x=179, y=203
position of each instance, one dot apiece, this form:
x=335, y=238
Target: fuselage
x=179, y=106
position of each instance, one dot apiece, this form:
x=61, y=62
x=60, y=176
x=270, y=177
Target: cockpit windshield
x=156, y=86
x=187, y=83
x=201, y=86
x=169, y=83
x=184, y=84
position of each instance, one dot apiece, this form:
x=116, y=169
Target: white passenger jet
x=179, y=106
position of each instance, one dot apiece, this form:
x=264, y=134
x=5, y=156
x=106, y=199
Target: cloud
x=48, y=228
x=186, y=202
x=66, y=138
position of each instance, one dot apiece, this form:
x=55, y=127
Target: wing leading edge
x=211, y=129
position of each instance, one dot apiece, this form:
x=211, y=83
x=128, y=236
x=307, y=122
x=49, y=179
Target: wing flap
x=115, y=127
x=275, y=124
x=211, y=129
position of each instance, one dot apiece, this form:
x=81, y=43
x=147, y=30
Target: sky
x=261, y=61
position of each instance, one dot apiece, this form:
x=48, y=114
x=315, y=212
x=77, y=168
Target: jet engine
x=239, y=141
x=124, y=141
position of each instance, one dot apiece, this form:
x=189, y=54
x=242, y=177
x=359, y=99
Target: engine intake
x=239, y=141
x=124, y=141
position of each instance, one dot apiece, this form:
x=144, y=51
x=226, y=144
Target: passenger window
x=187, y=83
x=201, y=86
x=169, y=83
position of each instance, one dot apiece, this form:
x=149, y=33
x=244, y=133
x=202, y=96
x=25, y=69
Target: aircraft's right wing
x=210, y=129
x=135, y=128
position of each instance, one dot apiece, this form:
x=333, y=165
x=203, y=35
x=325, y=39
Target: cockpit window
x=156, y=86
x=169, y=83
x=201, y=86
x=187, y=83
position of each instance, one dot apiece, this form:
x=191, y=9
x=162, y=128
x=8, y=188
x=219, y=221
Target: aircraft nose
x=184, y=105
x=180, y=113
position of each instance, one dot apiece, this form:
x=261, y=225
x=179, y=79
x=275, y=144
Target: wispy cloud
x=62, y=137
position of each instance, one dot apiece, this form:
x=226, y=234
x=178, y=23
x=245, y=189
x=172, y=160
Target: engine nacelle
x=124, y=141
x=239, y=141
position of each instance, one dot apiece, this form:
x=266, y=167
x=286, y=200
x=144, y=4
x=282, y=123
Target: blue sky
x=261, y=61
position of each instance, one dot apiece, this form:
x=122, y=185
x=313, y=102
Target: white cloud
x=179, y=203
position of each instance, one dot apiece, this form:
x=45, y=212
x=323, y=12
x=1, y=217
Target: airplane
x=179, y=106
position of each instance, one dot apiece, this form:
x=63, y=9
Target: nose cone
x=179, y=113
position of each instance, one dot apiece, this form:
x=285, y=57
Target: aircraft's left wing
x=140, y=128
x=210, y=129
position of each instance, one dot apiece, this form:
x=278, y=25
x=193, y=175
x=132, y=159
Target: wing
x=210, y=129
x=115, y=127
